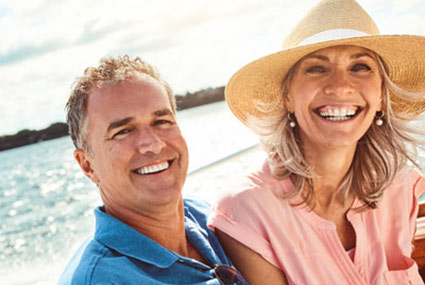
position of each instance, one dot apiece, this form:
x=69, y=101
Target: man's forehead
x=128, y=98
x=139, y=79
x=119, y=91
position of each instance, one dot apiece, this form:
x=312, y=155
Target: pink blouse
x=307, y=248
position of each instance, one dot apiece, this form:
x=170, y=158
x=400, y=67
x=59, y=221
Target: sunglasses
x=225, y=274
x=228, y=275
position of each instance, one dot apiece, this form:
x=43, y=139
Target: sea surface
x=46, y=203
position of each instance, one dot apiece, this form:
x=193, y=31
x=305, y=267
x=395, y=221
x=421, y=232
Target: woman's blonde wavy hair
x=380, y=154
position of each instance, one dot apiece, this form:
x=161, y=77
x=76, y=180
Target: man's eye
x=360, y=67
x=316, y=69
x=121, y=132
x=162, y=122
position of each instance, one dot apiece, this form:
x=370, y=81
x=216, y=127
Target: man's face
x=138, y=157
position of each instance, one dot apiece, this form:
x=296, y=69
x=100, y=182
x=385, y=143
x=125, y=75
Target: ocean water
x=46, y=203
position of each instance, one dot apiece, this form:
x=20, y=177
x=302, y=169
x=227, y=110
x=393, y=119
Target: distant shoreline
x=57, y=130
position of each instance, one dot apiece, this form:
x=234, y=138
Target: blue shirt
x=118, y=254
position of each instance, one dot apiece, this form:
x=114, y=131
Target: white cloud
x=407, y=5
x=194, y=43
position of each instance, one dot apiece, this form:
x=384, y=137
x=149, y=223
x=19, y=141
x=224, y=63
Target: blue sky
x=194, y=43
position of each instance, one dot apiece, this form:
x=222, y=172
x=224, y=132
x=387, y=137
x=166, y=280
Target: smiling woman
x=335, y=202
x=326, y=85
x=349, y=93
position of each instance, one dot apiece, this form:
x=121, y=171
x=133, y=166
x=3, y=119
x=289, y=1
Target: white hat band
x=330, y=35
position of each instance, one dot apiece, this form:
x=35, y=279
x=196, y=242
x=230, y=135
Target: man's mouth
x=154, y=168
x=333, y=113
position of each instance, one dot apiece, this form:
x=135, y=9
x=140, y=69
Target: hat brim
x=256, y=89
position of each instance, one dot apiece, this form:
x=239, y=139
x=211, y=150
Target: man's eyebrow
x=163, y=112
x=122, y=122
x=119, y=123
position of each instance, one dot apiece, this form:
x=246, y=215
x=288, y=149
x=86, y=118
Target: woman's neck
x=330, y=166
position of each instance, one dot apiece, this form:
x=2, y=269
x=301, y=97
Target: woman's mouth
x=338, y=113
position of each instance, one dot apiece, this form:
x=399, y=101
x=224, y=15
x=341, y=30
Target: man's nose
x=339, y=83
x=149, y=141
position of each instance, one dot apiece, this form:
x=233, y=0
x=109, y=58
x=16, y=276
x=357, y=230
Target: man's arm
x=253, y=266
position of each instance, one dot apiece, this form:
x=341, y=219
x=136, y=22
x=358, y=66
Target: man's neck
x=165, y=226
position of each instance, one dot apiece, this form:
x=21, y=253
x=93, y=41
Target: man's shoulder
x=84, y=262
x=196, y=205
x=95, y=263
x=197, y=211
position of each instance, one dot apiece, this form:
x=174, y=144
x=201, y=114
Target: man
x=122, y=121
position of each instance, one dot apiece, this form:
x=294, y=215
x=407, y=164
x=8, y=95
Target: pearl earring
x=291, y=118
x=379, y=118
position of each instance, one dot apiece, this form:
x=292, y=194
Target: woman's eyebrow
x=317, y=56
x=358, y=55
x=325, y=58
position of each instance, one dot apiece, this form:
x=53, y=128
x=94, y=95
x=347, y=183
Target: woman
x=335, y=203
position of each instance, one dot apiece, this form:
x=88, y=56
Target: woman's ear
x=382, y=97
x=288, y=102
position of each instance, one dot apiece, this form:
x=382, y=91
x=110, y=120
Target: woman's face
x=335, y=93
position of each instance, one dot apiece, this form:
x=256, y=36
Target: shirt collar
x=198, y=237
x=127, y=241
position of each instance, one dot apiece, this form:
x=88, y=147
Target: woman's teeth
x=338, y=114
x=153, y=168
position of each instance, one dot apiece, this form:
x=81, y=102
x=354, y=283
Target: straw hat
x=256, y=89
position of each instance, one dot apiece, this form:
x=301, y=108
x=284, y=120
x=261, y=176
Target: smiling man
x=122, y=121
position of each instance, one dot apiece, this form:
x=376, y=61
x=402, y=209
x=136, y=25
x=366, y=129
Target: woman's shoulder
x=403, y=193
x=257, y=189
x=407, y=182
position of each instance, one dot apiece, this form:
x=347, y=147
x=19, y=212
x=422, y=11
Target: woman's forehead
x=344, y=49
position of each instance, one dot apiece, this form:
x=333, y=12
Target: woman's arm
x=253, y=266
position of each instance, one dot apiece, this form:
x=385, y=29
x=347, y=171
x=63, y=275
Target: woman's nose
x=339, y=83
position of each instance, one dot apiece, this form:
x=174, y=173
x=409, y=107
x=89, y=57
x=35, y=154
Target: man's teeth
x=337, y=114
x=153, y=168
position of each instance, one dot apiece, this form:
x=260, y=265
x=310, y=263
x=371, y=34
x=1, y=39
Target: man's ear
x=85, y=162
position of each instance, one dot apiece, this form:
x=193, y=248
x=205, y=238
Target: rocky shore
x=56, y=130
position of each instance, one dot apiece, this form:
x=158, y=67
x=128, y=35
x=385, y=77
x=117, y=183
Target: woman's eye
x=316, y=69
x=360, y=67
